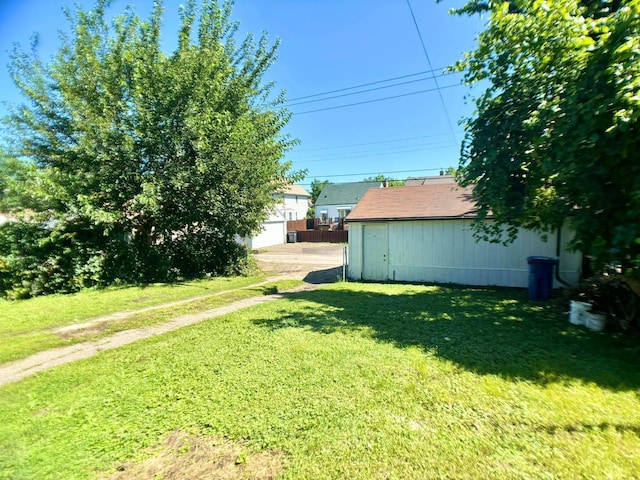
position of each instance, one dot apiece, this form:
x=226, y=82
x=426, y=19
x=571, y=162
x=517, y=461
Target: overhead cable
x=371, y=143
x=378, y=100
x=426, y=54
x=373, y=153
x=364, y=85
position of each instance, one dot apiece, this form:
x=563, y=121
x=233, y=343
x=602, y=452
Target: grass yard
x=31, y=326
x=358, y=381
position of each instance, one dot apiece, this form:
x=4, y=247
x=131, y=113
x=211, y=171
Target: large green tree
x=555, y=133
x=164, y=157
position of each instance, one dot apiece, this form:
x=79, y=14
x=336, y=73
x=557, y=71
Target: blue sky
x=327, y=46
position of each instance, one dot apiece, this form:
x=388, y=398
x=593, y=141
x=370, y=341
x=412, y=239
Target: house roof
x=296, y=190
x=345, y=193
x=414, y=181
x=436, y=201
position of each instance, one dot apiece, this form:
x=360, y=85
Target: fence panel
x=297, y=225
x=340, y=236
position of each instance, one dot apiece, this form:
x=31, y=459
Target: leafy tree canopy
x=316, y=188
x=163, y=158
x=555, y=134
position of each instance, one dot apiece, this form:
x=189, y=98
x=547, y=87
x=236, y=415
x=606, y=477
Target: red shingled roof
x=415, y=203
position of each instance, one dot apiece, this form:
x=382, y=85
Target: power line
x=363, y=85
x=369, y=89
x=353, y=155
x=379, y=100
x=426, y=54
x=371, y=143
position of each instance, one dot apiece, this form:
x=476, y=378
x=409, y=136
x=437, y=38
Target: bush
x=38, y=259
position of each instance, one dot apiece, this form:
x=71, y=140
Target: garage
x=424, y=234
x=273, y=233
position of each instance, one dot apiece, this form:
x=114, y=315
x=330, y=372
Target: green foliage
x=37, y=259
x=316, y=188
x=168, y=157
x=556, y=131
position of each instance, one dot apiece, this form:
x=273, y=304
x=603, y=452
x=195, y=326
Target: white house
x=336, y=200
x=295, y=202
x=423, y=234
x=293, y=205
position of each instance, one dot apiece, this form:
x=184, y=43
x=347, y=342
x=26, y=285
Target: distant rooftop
x=415, y=181
x=422, y=202
x=297, y=190
x=345, y=193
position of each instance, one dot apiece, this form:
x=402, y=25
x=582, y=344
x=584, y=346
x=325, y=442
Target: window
x=343, y=212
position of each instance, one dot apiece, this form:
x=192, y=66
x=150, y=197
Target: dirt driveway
x=311, y=262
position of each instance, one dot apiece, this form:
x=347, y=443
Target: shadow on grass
x=329, y=275
x=483, y=330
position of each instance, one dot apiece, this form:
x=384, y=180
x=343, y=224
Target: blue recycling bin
x=540, y=277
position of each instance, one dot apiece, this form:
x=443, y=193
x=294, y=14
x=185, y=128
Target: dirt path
x=319, y=264
x=74, y=327
x=19, y=369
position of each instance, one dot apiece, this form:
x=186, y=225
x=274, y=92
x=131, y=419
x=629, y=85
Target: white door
x=375, y=252
x=272, y=234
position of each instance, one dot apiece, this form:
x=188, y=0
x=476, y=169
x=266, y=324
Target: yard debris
x=615, y=295
x=184, y=455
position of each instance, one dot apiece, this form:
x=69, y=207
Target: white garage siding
x=273, y=233
x=444, y=251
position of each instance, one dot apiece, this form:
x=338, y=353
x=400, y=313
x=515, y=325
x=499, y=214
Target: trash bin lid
x=543, y=260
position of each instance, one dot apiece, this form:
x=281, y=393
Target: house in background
x=436, y=180
x=293, y=205
x=424, y=234
x=336, y=201
x=295, y=202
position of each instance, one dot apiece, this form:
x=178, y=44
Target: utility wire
x=371, y=143
x=364, y=85
x=369, y=90
x=426, y=54
x=374, y=153
x=380, y=100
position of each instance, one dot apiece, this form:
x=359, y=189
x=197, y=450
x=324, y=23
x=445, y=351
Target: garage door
x=273, y=233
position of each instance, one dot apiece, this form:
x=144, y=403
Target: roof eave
x=409, y=219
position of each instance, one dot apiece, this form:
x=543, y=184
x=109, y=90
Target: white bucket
x=577, y=312
x=595, y=321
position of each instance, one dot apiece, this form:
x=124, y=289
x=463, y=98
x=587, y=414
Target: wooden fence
x=297, y=225
x=304, y=224
x=338, y=236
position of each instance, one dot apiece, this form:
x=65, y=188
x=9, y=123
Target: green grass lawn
x=28, y=326
x=355, y=381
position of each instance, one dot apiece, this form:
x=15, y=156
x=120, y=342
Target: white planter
x=577, y=312
x=595, y=321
